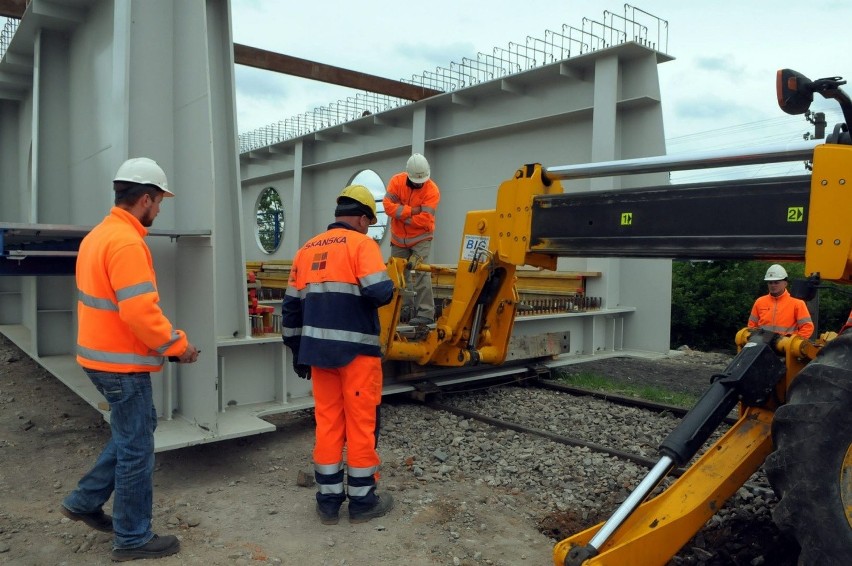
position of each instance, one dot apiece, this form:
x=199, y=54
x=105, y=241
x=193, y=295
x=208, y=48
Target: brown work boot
x=382, y=506
x=157, y=547
x=97, y=520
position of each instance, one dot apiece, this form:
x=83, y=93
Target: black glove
x=302, y=370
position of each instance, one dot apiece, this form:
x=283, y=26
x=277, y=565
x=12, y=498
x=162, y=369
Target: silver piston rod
x=779, y=153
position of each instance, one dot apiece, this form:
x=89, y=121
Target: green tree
x=270, y=219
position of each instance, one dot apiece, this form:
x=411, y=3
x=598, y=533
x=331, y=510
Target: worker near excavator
x=411, y=201
x=330, y=322
x=779, y=311
x=123, y=336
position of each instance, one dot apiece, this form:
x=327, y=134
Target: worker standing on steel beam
x=411, y=202
x=779, y=311
x=123, y=336
x=330, y=322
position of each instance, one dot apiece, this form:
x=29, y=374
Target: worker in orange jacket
x=411, y=201
x=330, y=322
x=779, y=311
x=123, y=336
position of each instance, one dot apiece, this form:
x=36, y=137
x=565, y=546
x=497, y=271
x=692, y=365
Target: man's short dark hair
x=128, y=193
x=350, y=207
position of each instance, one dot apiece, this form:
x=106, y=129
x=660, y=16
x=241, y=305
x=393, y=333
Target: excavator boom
x=802, y=217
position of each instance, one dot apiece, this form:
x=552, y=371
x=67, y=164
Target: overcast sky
x=719, y=92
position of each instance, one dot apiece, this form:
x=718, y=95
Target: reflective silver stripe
x=374, y=278
x=780, y=329
x=340, y=335
x=95, y=302
x=292, y=292
x=135, y=291
x=334, y=287
x=398, y=213
x=175, y=337
x=360, y=491
x=290, y=332
x=408, y=242
x=362, y=472
x=330, y=488
x=753, y=318
x=804, y=320
x=118, y=358
x=328, y=469
x=428, y=209
x=392, y=197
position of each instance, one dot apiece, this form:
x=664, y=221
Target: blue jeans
x=126, y=465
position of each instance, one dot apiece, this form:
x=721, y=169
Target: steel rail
x=779, y=153
x=675, y=410
x=567, y=440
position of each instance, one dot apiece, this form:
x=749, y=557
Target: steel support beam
x=288, y=65
x=271, y=61
x=13, y=8
x=756, y=219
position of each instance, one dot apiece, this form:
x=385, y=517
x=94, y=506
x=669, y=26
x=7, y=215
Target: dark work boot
x=328, y=517
x=330, y=496
x=384, y=503
x=157, y=547
x=97, y=520
x=328, y=507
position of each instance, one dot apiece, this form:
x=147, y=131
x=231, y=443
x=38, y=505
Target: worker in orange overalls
x=779, y=311
x=411, y=202
x=123, y=336
x=330, y=322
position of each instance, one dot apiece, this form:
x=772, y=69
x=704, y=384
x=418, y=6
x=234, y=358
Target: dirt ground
x=239, y=501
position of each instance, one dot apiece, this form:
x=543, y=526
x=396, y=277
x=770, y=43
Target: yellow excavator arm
x=774, y=379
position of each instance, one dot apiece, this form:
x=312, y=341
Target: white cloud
x=723, y=76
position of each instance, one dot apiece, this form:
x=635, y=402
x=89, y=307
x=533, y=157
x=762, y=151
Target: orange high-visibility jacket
x=783, y=314
x=121, y=327
x=408, y=230
x=337, y=283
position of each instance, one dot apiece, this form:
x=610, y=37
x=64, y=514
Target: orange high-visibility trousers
x=345, y=401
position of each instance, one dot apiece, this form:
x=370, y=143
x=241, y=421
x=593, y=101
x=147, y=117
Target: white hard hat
x=143, y=171
x=417, y=168
x=775, y=273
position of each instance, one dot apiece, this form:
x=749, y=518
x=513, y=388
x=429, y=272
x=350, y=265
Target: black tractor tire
x=811, y=467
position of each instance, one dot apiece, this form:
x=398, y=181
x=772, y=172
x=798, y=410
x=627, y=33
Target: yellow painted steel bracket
x=828, y=250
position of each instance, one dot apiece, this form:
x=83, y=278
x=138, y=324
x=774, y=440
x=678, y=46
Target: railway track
x=651, y=407
x=609, y=441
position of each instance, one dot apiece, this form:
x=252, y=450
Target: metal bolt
x=836, y=242
x=842, y=181
x=819, y=242
x=823, y=182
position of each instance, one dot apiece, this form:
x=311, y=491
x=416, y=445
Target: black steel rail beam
x=679, y=412
x=635, y=458
x=755, y=219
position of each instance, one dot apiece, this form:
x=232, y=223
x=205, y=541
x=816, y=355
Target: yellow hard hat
x=361, y=195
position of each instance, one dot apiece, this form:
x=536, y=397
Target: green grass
x=595, y=382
